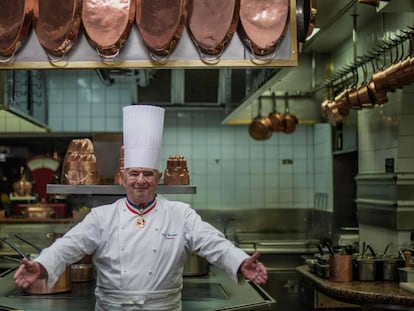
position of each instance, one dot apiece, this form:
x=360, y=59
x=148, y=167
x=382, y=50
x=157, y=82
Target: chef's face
x=141, y=184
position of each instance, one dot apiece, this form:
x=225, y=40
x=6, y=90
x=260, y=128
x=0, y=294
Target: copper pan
x=161, y=24
x=263, y=25
x=332, y=113
x=276, y=117
x=211, y=25
x=391, y=77
x=57, y=25
x=379, y=96
x=261, y=127
x=15, y=21
x=107, y=25
x=353, y=99
x=407, y=72
x=342, y=102
x=380, y=80
x=364, y=96
x=290, y=122
x=324, y=107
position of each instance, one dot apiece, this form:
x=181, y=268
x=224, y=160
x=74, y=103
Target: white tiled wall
x=229, y=168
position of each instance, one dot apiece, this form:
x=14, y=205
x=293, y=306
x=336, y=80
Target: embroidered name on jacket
x=169, y=236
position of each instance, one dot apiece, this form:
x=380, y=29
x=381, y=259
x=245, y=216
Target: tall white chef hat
x=143, y=130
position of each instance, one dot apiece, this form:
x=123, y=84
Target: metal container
x=406, y=274
x=195, y=265
x=63, y=284
x=340, y=268
x=367, y=269
x=81, y=272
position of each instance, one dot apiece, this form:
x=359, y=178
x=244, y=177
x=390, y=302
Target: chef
x=139, y=242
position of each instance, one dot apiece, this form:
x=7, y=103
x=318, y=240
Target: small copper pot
x=261, y=128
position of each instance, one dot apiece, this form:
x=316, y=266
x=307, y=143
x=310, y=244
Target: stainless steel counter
x=213, y=292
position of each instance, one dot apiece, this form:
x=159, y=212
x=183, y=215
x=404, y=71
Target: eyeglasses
x=134, y=174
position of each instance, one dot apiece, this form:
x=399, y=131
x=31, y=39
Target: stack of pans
x=79, y=165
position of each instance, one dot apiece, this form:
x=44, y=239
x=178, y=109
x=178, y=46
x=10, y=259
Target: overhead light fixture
x=14, y=121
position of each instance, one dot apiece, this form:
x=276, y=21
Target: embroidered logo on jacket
x=169, y=236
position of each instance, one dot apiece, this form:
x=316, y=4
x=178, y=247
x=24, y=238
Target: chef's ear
x=159, y=174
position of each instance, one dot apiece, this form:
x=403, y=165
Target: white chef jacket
x=141, y=268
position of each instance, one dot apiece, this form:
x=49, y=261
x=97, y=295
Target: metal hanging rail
x=348, y=72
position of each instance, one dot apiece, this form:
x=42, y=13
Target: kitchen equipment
x=289, y=120
x=43, y=169
x=81, y=272
x=406, y=274
x=262, y=25
x=340, y=268
x=276, y=117
x=160, y=24
x=107, y=25
x=37, y=211
x=15, y=22
x=120, y=170
x=57, y=25
x=195, y=265
x=22, y=187
x=367, y=265
x=211, y=25
x=261, y=127
x=303, y=18
x=176, y=172
x=79, y=164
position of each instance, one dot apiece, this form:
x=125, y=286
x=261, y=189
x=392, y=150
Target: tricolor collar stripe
x=135, y=211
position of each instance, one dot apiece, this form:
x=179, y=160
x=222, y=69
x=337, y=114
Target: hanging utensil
x=261, y=127
x=211, y=25
x=276, y=117
x=289, y=120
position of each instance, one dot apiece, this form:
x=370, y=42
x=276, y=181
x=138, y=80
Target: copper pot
x=81, y=272
x=290, y=121
x=261, y=128
x=340, y=268
x=276, y=117
x=38, y=212
x=62, y=285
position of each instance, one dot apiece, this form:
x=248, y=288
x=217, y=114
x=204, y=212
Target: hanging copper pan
x=211, y=25
x=263, y=24
x=108, y=24
x=276, y=117
x=160, y=24
x=57, y=25
x=261, y=127
x=15, y=21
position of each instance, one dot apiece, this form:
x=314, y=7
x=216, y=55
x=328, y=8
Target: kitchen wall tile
x=70, y=124
x=84, y=124
x=257, y=181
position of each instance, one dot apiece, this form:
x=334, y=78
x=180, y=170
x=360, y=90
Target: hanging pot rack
x=376, y=57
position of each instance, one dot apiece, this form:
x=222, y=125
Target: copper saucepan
x=276, y=117
x=261, y=127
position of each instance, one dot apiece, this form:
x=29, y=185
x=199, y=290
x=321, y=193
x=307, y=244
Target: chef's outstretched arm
x=254, y=270
x=28, y=272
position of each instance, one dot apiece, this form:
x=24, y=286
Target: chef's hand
x=254, y=270
x=27, y=273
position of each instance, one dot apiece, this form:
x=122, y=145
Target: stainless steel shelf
x=114, y=189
